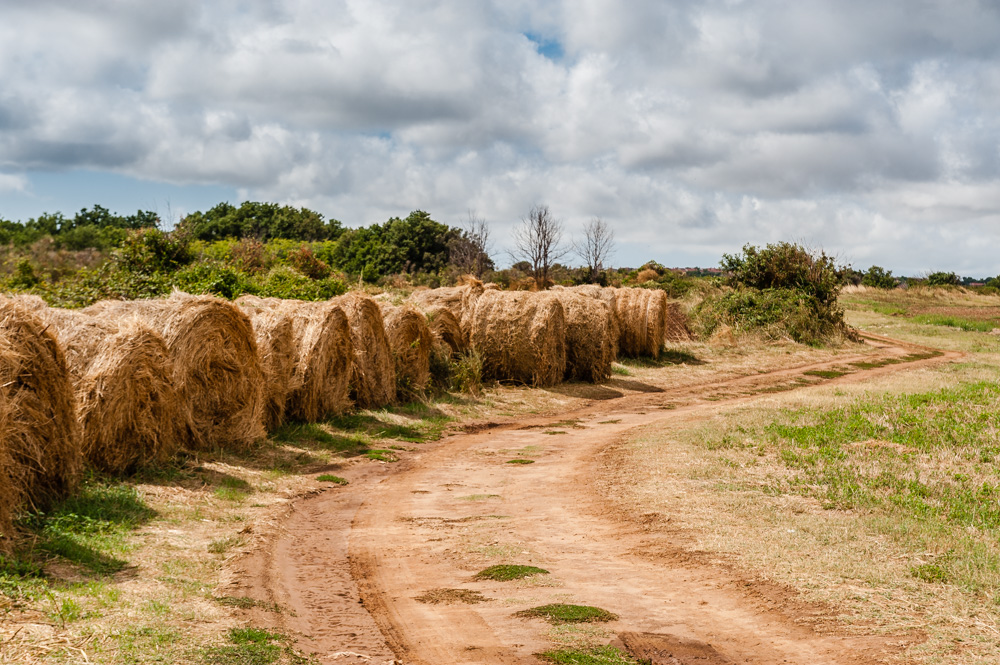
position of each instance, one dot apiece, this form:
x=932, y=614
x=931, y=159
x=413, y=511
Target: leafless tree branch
x=539, y=241
x=597, y=246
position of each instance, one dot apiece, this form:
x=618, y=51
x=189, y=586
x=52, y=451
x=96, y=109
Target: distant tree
x=414, y=244
x=539, y=241
x=470, y=251
x=943, y=279
x=597, y=246
x=262, y=221
x=879, y=278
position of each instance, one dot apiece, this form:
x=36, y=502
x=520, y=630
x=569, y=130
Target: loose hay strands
x=520, y=336
x=275, y=334
x=459, y=300
x=40, y=457
x=411, y=340
x=446, y=329
x=373, y=373
x=609, y=298
x=322, y=356
x=589, y=343
x=676, y=329
x=217, y=371
x=122, y=374
x=642, y=317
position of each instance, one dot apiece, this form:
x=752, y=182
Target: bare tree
x=539, y=241
x=597, y=247
x=471, y=250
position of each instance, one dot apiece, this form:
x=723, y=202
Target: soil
x=352, y=567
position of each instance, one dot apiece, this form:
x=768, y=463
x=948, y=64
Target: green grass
x=825, y=373
x=563, y=613
x=248, y=646
x=968, y=325
x=597, y=656
x=233, y=489
x=923, y=467
x=508, y=572
x=329, y=478
x=620, y=370
x=223, y=545
x=246, y=603
x=381, y=455
x=520, y=461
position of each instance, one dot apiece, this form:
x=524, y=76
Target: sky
x=869, y=129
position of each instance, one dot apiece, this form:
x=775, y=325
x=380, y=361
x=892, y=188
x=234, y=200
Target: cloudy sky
x=869, y=128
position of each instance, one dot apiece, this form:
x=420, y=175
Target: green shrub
x=286, y=282
x=943, y=279
x=211, y=277
x=879, y=278
x=152, y=250
x=784, y=265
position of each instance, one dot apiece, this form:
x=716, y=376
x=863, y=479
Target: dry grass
x=217, y=371
x=520, y=336
x=275, y=334
x=642, y=316
x=40, y=459
x=446, y=329
x=590, y=344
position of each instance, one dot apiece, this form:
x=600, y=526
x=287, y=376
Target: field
x=725, y=503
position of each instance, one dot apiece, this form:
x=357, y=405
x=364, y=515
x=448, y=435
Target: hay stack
x=217, y=371
x=411, y=341
x=323, y=354
x=520, y=336
x=642, y=319
x=608, y=297
x=122, y=374
x=676, y=329
x=275, y=336
x=373, y=370
x=590, y=347
x=449, y=297
x=40, y=457
x=446, y=329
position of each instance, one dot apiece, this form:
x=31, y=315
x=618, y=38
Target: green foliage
x=24, y=276
x=508, y=572
x=286, y=282
x=786, y=266
x=606, y=655
x=774, y=312
x=969, y=325
x=414, y=244
x=152, y=250
x=879, y=278
x=207, y=277
x=329, y=478
x=308, y=264
x=248, y=646
x=943, y=279
x=564, y=613
x=261, y=221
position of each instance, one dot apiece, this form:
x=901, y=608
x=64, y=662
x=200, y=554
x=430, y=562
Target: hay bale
x=411, y=341
x=40, y=459
x=323, y=354
x=676, y=329
x=373, y=370
x=217, y=371
x=122, y=373
x=642, y=320
x=275, y=335
x=520, y=336
x=449, y=297
x=608, y=297
x=590, y=347
x=446, y=329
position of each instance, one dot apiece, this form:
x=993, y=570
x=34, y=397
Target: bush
x=943, y=279
x=306, y=263
x=286, y=282
x=212, y=277
x=879, y=278
x=775, y=313
x=152, y=250
x=784, y=265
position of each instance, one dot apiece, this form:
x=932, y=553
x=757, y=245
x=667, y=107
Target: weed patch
x=520, y=461
x=563, y=613
x=451, y=596
x=597, y=656
x=508, y=572
x=381, y=455
x=825, y=373
x=328, y=478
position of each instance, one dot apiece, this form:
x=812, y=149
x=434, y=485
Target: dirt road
x=383, y=570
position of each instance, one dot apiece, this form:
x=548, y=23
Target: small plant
x=564, y=613
x=450, y=596
x=223, y=545
x=825, y=373
x=520, y=461
x=329, y=478
x=381, y=455
x=508, y=572
x=249, y=646
x=597, y=656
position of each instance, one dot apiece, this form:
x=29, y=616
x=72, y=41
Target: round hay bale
x=322, y=356
x=411, y=340
x=122, y=374
x=217, y=372
x=40, y=459
x=589, y=344
x=608, y=297
x=642, y=320
x=676, y=329
x=446, y=329
x=449, y=297
x=373, y=371
x=520, y=336
x=275, y=336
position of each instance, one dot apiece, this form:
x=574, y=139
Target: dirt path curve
x=349, y=566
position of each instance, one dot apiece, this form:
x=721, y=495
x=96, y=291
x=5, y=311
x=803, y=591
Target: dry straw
x=520, y=336
x=275, y=335
x=446, y=329
x=323, y=354
x=373, y=372
x=642, y=317
x=40, y=457
x=609, y=298
x=411, y=341
x=217, y=372
x=590, y=347
x=676, y=323
x=122, y=373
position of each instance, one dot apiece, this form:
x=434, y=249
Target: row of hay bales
x=543, y=338
x=124, y=384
